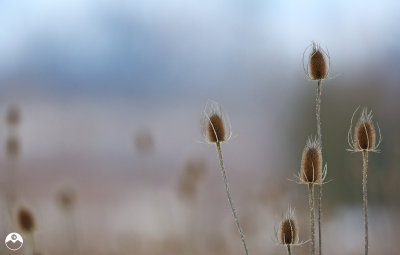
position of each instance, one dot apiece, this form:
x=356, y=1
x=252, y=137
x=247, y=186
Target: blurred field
x=110, y=102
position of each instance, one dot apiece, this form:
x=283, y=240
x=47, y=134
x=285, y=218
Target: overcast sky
x=145, y=43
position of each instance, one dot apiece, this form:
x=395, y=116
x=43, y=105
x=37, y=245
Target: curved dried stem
x=228, y=193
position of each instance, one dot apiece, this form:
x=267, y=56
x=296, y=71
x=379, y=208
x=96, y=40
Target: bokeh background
x=110, y=95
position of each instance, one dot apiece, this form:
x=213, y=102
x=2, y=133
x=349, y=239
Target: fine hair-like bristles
x=364, y=132
x=311, y=162
x=26, y=220
x=215, y=125
x=318, y=63
x=288, y=232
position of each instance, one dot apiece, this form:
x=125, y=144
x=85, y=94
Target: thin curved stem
x=365, y=198
x=312, y=216
x=228, y=193
x=289, y=250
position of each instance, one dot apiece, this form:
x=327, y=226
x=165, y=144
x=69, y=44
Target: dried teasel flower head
x=25, y=220
x=215, y=125
x=288, y=231
x=318, y=65
x=12, y=146
x=13, y=116
x=311, y=163
x=364, y=138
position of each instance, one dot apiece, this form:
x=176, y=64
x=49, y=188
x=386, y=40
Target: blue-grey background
x=89, y=76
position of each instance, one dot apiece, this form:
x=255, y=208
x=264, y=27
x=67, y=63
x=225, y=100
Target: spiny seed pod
x=215, y=125
x=311, y=162
x=12, y=146
x=288, y=233
x=25, y=220
x=364, y=132
x=318, y=64
x=13, y=116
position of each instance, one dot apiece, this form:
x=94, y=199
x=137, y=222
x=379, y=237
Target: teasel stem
x=289, y=250
x=365, y=198
x=312, y=216
x=228, y=193
x=318, y=111
x=319, y=220
x=318, y=117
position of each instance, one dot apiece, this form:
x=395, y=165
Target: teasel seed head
x=12, y=146
x=311, y=163
x=13, y=116
x=288, y=232
x=365, y=137
x=318, y=63
x=364, y=132
x=25, y=220
x=215, y=125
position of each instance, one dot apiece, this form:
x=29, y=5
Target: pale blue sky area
x=176, y=42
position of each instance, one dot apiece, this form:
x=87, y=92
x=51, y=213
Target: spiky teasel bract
x=311, y=171
x=318, y=64
x=215, y=125
x=288, y=232
x=365, y=137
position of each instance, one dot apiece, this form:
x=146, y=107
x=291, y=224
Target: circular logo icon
x=14, y=241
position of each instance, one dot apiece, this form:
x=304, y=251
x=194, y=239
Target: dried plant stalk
x=312, y=216
x=228, y=193
x=364, y=141
x=215, y=127
x=319, y=134
x=365, y=198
